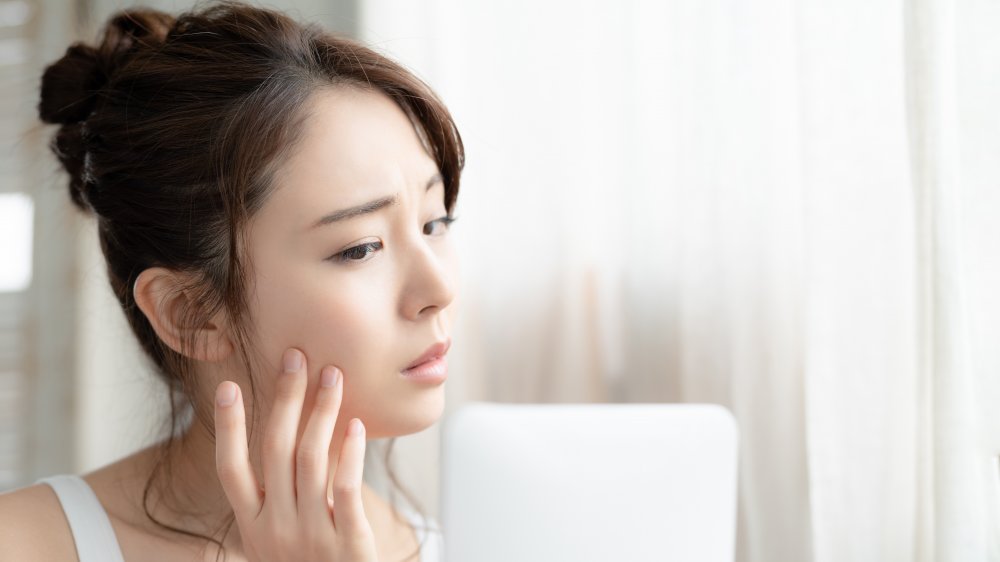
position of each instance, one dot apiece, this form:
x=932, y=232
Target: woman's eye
x=358, y=253
x=443, y=223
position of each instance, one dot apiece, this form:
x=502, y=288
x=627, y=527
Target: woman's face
x=370, y=292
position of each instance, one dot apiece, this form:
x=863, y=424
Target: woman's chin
x=408, y=421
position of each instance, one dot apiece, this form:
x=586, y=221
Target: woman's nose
x=430, y=282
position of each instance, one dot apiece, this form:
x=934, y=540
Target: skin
x=364, y=315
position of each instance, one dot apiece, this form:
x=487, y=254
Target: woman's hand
x=291, y=517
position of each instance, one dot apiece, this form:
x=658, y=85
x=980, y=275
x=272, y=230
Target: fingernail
x=329, y=376
x=226, y=395
x=292, y=360
x=357, y=428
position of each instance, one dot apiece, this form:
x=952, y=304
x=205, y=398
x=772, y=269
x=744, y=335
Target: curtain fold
x=957, y=521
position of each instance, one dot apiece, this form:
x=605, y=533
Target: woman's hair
x=171, y=131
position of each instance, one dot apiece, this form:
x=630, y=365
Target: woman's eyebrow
x=369, y=207
x=351, y=212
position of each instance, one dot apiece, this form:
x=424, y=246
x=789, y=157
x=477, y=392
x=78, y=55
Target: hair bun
x=70, y=87
x=68, y=95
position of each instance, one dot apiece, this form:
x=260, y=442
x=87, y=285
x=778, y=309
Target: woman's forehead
x=357, y=145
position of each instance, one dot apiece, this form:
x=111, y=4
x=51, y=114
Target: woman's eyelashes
x=358, y=253
x=445, y=222
x=361, y=252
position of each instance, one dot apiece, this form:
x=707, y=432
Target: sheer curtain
x=787, y=207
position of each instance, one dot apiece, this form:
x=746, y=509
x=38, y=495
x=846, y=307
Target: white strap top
x=92, y=532
x=95, y=537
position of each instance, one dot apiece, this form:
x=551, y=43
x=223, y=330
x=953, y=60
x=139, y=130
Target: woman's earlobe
x=161, y=294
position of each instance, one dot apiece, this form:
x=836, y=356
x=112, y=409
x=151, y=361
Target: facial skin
x=372, y=311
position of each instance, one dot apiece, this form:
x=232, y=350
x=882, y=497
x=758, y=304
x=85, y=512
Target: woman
x=273, y=204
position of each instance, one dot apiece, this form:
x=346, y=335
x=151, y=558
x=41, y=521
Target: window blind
x=37, y=254
x=16, y=37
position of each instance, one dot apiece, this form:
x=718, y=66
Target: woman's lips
x=435, y=351
x=431, y=366
x=435, y=370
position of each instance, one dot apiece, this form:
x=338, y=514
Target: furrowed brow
x=351, y=212
x=369, y=207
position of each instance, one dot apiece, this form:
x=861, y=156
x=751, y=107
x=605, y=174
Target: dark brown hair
x=171, y=131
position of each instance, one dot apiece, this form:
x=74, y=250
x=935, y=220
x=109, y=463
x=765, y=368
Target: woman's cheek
x=280, y=324
x=335, y=318
x=345, y=332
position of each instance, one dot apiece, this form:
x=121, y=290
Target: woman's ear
x=160, y=294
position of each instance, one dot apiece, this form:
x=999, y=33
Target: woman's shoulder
x=33, y=527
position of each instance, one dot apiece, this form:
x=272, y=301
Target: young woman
x=273, y=204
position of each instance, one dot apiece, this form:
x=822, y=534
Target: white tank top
x=95, y=537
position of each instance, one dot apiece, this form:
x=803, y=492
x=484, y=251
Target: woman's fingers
x=349, y=513
x=281, y=433
x=294, y=520
x=313, y=457
x=232, y=459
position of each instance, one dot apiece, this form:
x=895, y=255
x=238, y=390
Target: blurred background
x=788, y=207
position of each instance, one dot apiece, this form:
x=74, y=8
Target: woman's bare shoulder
x=33, y=527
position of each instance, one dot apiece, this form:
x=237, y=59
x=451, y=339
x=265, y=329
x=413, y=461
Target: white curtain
x=787, y=207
